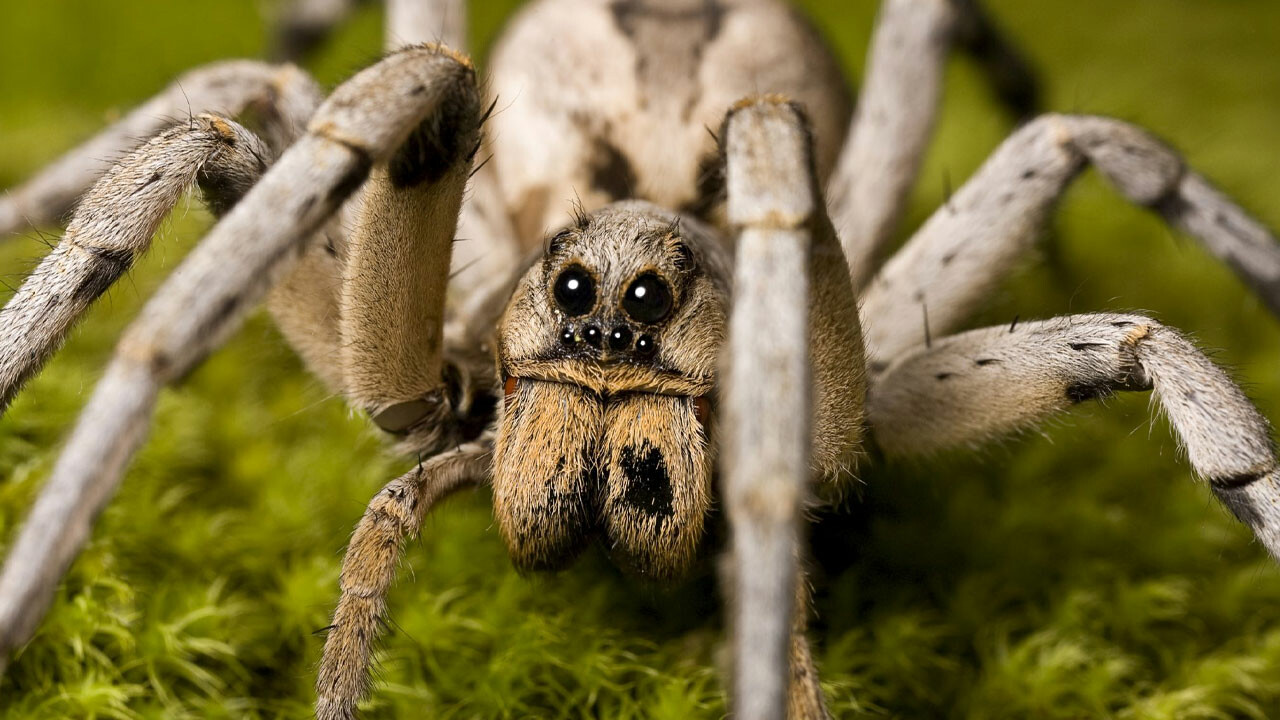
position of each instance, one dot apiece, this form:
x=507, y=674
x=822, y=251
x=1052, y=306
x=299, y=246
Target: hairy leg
x=410, y=22
x=363, y=123
x=113, y=225
x=397, y=267
x=970, y=388
x=1011, y=77
x=303, y=25
x=956, y=259
x=369, y=569
x=893, y=122
x=791, y=295
x=281, y=97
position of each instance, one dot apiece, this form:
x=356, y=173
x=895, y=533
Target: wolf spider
x=600, y=383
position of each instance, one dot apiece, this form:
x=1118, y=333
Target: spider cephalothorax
x=690, y=335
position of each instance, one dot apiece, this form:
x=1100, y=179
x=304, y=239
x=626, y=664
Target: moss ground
x=1078, y=572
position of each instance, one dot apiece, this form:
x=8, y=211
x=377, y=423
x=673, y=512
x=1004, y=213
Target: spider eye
x=648, y=299
x=575, y=291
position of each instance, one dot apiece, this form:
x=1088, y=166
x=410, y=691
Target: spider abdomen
x=606, y=100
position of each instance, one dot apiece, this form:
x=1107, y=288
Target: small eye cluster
x=648, y=300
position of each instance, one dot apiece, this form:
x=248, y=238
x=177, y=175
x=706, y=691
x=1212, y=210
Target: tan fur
x=657, y=485
x=369, y=568
x=545, y=472
x=606, y=100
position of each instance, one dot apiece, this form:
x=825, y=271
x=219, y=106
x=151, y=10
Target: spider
x=642, y=308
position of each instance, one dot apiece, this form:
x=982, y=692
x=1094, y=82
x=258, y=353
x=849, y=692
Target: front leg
x=393, y=285
x=787, y=415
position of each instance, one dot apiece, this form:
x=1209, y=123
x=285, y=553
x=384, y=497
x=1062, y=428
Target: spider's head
x=608, y=353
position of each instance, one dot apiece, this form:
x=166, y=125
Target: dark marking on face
x=1086, y=346
x=943, y=376
x=442, y=140
x=611, y=172
x=986, y=361
x=1083, y=392
x=648, y=483
x=1121, y=323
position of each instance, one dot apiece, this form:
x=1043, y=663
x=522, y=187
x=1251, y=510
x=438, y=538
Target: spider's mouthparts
x=702, y=404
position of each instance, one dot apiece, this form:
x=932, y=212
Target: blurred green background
x=1077, y=572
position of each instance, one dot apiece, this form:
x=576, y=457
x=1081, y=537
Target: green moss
x=1078, y=572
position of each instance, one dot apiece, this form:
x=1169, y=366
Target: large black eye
x=648, y=299
x=575, y=291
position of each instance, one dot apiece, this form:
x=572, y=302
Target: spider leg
x=891, y=127
x=897, y=108
x=362, y=123
x=487, y=249
x=410, y=22
x=112, y=225
x=281, y=96
x=954, y=261
x=397, y=268
x=1011, y=77
x=369, y=569
x=979, y=385
x=303, y=25
x=792, y=295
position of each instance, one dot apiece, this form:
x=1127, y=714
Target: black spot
x=1028, y=173
x=1240, y=505
x=155, y=178
x=222, y=190
x=987, y=361
x=1083, y=392
x=943, y=376
x=110, y=265
x=946, y=259
x=1121, y=323
x=648, y=484
x=350, y=181
x=611, y=172
x=444, y=139
x=1239, y=480
x=1086, y=346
